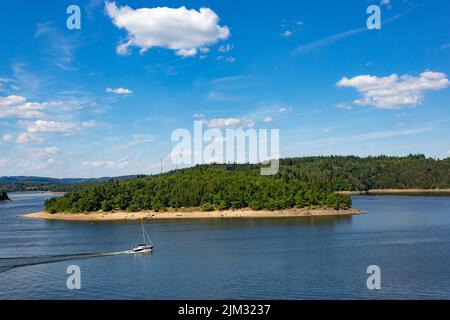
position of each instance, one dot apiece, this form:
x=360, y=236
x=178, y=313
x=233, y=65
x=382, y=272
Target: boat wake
x=11, y=263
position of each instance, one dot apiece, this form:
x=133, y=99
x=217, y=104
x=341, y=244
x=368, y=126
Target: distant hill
x=65, y=180
x=29, y=184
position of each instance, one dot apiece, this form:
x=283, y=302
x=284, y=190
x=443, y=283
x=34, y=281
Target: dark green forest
x=3, y=195
x=301, y=182
x=40, y=184
x=208, y=187
x=362, y=174
x=41, y=187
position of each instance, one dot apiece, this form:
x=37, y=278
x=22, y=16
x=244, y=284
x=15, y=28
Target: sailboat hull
x=142, y=251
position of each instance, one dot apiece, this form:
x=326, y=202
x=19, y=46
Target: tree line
x=207, y=187
x=346, y=173
x=361, y=174
x=40, y=184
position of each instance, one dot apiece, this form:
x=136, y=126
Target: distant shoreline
x=180, y=215
x=350, y=193
x=49, y=192
x=397, y=192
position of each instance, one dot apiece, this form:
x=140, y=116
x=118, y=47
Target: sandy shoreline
x=397, y=191
x=150, y=215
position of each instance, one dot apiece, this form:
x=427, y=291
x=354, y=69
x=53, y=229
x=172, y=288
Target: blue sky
x=104, y=100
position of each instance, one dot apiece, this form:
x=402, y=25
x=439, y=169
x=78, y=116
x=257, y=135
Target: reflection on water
x=301, y=258
x=322, y=221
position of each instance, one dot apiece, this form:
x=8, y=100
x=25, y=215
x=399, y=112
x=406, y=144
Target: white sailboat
x=147, y=245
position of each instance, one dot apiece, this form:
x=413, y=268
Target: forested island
x=310, y=182
x=209, y=188
x=3, y=196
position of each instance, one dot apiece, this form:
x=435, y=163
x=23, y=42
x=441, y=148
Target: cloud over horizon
x=119, y=91
x=66, y=128
x=394, y=92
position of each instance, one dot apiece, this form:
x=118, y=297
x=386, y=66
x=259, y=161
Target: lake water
x=305, y=258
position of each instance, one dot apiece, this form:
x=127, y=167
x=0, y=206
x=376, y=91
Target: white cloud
x=7, y=137
x=121, y=164
x=230, y=88
x=376, y=135
x=60, y=47
x=11, y=101
x=326, y=41
x=223, y=123
x=6, y=80
x=225, y=48
x=287, y=34
x=198, y=116
x=344, y=106
x=43, y=126
x=186, y=52
x=305, y=48
x=389, y=134
x=386, y=3
x=41, y=152
x=36, y=165
x=285, y=109
x=119, y=91
x=27, y=138
x=267, y=120
x=18, y=107
x=226, y=59
x=43, y=28
x=393, y=92
x=8, y=84
x=248, y=124
x=3, y=162
x=181, y=30
x=139, y=139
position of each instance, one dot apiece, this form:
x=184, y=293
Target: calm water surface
x=306, y=258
